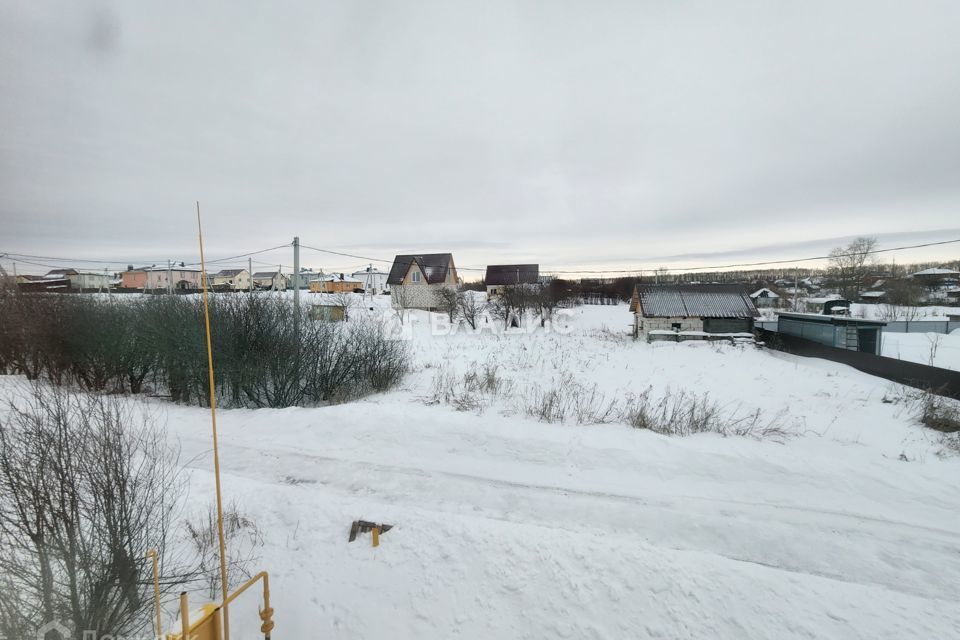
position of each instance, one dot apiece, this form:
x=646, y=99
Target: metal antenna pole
x=250, y=275
x=216, y=449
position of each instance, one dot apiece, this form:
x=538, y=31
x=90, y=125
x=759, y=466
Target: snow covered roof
x=873, y=294
x=433, y=265
x=229, y=273
x=172, y=268
x=760, y=292
x=336, y=277
x=694, y=301
x=370, y=271
x=502, y=274
x=936, y=271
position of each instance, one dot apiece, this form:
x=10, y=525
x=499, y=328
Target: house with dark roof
x=693, y=309
x=270, y=280
x=417, y=280
x=500, y=276
x=231, y=280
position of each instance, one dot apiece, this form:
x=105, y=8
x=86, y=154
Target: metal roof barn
x=693, y=301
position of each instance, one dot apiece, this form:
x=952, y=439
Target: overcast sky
x=574, y=134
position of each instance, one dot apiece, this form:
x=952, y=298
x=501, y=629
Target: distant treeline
x=157, y=344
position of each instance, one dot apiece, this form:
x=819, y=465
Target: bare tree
x=892, y=312
x=401, y=299
x=344, y=299
x=546, y=299
x=470, y=307
x=86, y=487
x=448, y=302
x=903, y=292
x=849, y=265
x=512, y=304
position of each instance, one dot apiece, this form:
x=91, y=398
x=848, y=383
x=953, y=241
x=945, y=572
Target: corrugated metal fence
x=896, y=326
x=943, y=382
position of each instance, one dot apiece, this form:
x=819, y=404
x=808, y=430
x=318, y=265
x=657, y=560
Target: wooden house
x=336, y=283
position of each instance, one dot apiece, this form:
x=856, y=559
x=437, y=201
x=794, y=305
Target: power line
x=827, y=257
x=348, y=255
x=31, y=260
x=245, y=255
x=22, y=258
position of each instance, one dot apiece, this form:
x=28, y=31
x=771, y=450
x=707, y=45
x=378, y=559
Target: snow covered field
x=844, y=526
x=938, y=349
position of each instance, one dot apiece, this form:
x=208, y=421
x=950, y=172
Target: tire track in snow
x=852, y=554
x=566, y=491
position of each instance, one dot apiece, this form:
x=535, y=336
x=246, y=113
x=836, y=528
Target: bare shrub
x=685, y=414
x=937, y=412
x=86, y=487
x=547, y=405
x=474, y=391
x=263, y=357
x=676, y=414
x=932, y=410
x=243, y=540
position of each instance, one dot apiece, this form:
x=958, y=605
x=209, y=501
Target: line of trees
x=513, y=303
x=158, y=345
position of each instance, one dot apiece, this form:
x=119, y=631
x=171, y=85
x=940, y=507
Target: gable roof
x=266, y=274
x=764, y=292
x=227, y=273
x=504, y=274
x=936, y=271
x=693, y=301
x=433, y=265
x=62, y=272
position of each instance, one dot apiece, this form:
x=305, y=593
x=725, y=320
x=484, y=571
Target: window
x=675, y=326
x=415, y=277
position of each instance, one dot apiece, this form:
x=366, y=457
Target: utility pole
x=296, y=287
x=169, y=278
x=796, y=286
x=249, y=275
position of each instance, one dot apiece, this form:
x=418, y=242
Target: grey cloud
x=572, y=134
